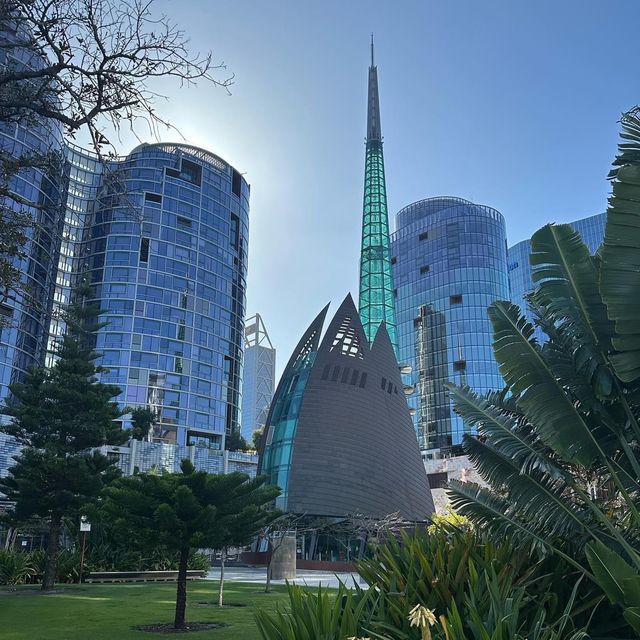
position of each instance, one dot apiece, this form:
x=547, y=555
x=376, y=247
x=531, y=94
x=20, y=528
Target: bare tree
x=92, y=63
x=80, y=64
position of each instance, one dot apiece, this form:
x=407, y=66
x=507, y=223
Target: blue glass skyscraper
x=161, y=236
x=449, y=264
x=592, y=231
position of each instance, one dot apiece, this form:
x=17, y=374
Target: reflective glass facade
x=520, y=281
x=165, y=250
x=26, y=313
x=161, y=235
x=449, y=264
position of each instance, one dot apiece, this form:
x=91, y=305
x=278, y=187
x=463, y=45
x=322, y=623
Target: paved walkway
x=258, y=575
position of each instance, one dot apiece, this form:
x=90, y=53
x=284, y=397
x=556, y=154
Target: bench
x=141, y=576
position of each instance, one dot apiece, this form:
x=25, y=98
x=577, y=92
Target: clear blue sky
x=510, y=103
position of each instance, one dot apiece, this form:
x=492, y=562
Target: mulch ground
x=189, y=626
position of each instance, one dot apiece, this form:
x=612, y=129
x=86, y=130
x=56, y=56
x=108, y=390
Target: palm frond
x=620, y=272
x=541, y=397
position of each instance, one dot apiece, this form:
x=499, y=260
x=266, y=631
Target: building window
x=345, y=375
x=456, y=299
x=144, y=249
x=424, y=269
x=459, y=365
x=235, y=231
x=424, y=235
x=236, y=183
x=394, y=260
x=6, y=311
x=390, y=387
x=363, y=380
x=335, y=374
x=395, y=293
x=152, y=197
x=354, y=377
x=383, y=384
x=325, y=372
x=185, y=222
x=191, y=172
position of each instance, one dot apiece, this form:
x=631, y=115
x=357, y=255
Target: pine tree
x=60, y=415
x=186, y=511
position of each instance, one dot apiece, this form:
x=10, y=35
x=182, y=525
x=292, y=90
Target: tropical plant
x=15, y=568
x=320, y=614
x=471, y=581
x=450, y=584
x=559, y=445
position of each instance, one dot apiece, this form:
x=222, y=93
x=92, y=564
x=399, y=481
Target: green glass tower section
x=376, y=303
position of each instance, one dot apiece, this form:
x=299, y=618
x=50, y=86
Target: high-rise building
x=376, y=304
x=25, y=313
x=520, y=281
x=449, y=264
x=161, y=237
x=258, y=376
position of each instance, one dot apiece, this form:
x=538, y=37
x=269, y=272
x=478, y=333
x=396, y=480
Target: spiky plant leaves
x=540, y=395
x=620, y=273
x=567, y=278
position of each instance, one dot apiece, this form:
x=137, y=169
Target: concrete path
x=258, y=575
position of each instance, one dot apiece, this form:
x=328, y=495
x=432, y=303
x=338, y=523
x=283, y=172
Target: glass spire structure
x=376, y=304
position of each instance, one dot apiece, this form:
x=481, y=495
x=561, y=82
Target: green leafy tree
x=142, y=421
x=235, y=442
x=185, y=511
x=244, y=513
x=559, y=446
x=60, y=415
x=256, y=438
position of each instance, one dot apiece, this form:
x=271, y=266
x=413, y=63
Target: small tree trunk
x=267, y=588
x=223, y=557
x=51, y=562
x=181, y=594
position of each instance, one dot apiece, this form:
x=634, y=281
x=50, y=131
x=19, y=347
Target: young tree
x=80, y=64
x=59, y=415
x=142, y=421
x=235, y=442
x=185, y=511
x=242, y=513
x=256, y=438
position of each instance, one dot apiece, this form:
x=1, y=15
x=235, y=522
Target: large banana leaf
x=503, y=427
x=567, y=288
x=620, y=272
x=540, y=501
x=542, y=398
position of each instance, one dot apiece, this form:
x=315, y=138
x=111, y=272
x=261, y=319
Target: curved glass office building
x=449, y=260
x=161, y=236
x=38, y=189
x=165, y=250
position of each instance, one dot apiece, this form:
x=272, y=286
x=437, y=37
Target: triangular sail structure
x=339, y=436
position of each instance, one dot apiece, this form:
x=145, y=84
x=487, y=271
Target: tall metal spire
x=376, y=304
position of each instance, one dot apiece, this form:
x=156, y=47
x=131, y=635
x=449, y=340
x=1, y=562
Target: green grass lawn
x=107, y=612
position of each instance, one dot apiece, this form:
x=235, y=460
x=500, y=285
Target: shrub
x=15, y=568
